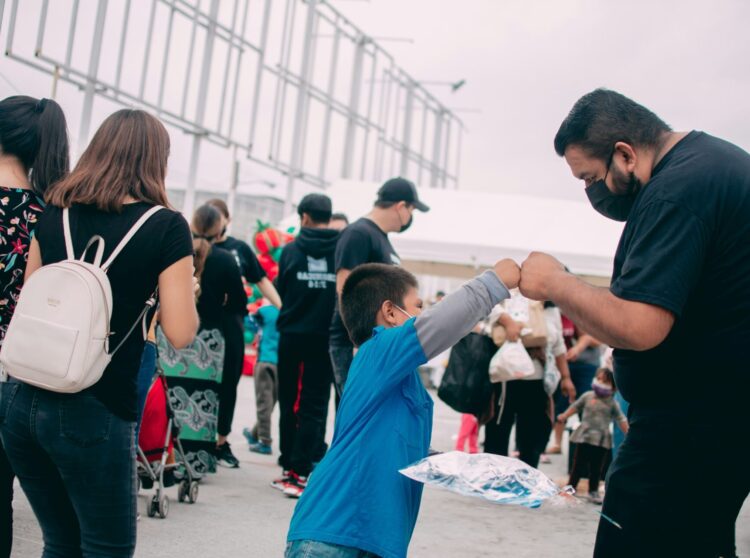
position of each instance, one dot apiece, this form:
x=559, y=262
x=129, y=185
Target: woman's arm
x=177, y=314
x=35, y=259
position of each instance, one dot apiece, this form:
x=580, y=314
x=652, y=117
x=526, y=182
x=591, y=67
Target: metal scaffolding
x=292, y=85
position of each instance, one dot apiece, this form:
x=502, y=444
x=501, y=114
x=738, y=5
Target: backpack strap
x=131, y=233
x=142, y=319
x=66, y=232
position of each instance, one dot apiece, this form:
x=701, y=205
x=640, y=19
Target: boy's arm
x=443, y=325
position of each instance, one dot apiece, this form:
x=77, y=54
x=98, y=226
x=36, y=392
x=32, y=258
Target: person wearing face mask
x=592, y=437
x=676, y=312
x=366, y=241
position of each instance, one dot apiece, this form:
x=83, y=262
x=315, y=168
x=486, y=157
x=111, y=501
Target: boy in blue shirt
x=357, y=504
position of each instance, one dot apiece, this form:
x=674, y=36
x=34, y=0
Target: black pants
x=6, y=504
x=527, y=406
x=234, y=358
x=588, y=461
x=305, y=376
x=675, y=488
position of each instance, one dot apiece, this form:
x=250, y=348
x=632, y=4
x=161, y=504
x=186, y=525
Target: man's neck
x=668, y=141
x=380, y=218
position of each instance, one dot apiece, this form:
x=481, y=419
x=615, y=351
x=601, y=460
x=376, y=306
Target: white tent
x=467, y=230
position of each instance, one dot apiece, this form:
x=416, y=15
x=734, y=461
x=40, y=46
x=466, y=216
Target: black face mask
x=613, y=206
x=405, y=227
x=223, y=232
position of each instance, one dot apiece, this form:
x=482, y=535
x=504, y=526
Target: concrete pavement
x=238, y=514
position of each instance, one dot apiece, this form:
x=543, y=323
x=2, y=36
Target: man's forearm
x=269, y=291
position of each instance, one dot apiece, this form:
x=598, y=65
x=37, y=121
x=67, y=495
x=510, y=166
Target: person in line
x=266, y=378
x=307, y=286
x=356, y=502
x=593, y=438
x=74, y=454
x=339, y=222
x=678, y=314
x=234, y=330
x=34, y=154
x=366, y=241
x=195, y=373
x=468, y=434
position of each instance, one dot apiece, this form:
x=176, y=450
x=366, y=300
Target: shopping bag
x=511, y=362
x=466, y=386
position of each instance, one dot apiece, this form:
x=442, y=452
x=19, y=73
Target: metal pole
x=409, y=111
x=90, y=91
x=71, y=34
x=259, y=74
x=447, y=153
x=436, y=148
x=324, y=141
x=458, y=153
x=234, y=180
x=351, y=126
x=200, y=110
x=299, y=120
x=42, y=25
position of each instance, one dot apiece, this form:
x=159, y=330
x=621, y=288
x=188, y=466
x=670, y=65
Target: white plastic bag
x=511, y=362
x=499, y=479
x=552, y=374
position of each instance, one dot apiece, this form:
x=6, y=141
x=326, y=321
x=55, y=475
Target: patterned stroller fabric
x=194, y=377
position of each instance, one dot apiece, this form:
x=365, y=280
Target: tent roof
x=476, y=228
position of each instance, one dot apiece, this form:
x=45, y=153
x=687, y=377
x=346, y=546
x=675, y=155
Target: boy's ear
x=389, y=312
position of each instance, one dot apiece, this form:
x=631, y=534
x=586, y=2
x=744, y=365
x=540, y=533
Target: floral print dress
x=19, y=213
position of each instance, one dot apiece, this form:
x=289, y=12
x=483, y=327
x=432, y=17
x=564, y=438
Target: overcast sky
x=527, y=61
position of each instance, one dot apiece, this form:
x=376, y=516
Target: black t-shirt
x=222, y=292
x=307, y=283
x=163, y=240
x=360, y=243
x=686, y=248
x=245, y=257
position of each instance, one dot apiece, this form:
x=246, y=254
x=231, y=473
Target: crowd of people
x=344, y=317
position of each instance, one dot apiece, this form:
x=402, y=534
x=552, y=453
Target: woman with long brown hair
x=195, y=373
x=74, y=454
x=33, y=156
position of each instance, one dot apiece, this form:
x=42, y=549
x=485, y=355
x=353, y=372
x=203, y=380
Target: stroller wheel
x=163, y=506
x=193, y=495
x=153, y=507
x=182, y=491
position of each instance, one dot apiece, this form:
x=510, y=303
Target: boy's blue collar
x=380, y=328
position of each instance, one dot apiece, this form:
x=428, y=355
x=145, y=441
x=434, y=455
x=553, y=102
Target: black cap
x=401, y=190
x=315, y=203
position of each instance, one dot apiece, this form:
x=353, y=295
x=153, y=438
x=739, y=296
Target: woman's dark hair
x=365, y=291
x=35, y=132
x=126, y=157
x=609, y=376
x=601, y=118
x=206, y=227
x=221, y=205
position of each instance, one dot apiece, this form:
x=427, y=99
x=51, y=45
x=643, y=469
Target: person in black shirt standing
x=678, y=314
x=307, y=285
x=234, y=331
x=366, y=241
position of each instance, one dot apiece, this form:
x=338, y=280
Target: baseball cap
x=315, y=203
x=401, y=190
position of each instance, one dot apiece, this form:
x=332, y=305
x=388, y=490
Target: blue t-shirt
x=268, y=348
x=356, y=496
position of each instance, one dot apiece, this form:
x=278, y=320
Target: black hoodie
x=307, y=282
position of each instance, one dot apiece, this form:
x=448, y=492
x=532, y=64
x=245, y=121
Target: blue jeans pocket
x=84, y=420
x=8, y=391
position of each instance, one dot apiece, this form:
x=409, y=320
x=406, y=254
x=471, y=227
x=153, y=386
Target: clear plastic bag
x=499, y=479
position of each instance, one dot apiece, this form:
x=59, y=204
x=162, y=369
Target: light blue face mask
x=402, y=310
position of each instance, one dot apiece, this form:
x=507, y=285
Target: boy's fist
x=509, y=273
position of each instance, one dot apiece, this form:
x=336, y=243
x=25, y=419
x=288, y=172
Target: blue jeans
x=75, y=461
x=315, y=549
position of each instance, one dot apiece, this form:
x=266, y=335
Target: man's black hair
x=601, y=118
x=318, y=217
x=365, y=291
x=340, y=217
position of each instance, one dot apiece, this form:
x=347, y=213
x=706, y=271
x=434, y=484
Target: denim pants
x=315, y=549
x=6, y=505
x=75, y=461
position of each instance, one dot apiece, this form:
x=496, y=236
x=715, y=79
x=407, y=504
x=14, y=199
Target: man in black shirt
x=307, y=285
x=234, y=329
x=678, y=314
x=366, y=241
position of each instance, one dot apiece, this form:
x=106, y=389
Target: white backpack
x=58, y=338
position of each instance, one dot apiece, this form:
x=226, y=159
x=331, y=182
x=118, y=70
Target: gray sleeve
x=443, y=325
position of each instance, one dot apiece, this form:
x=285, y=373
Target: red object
x=248, y=366
x=154, y=423
x=269, y=266
x=469, y=432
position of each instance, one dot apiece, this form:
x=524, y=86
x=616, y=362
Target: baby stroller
x=160, y=451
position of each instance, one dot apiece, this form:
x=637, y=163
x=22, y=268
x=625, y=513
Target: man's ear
x=627, y=154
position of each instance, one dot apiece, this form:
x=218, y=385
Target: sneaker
x=296, y=486
x=595, y=498
x=281, y=483
x=545, y=459
x=261, y=448
x=248, y=434
x=225, y=457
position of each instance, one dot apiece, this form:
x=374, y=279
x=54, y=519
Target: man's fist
x=508, y=272
x=538, y=273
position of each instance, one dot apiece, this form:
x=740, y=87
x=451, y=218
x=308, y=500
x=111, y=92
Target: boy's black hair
x=603, y=117
x=365, y=291
x=609, y=376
